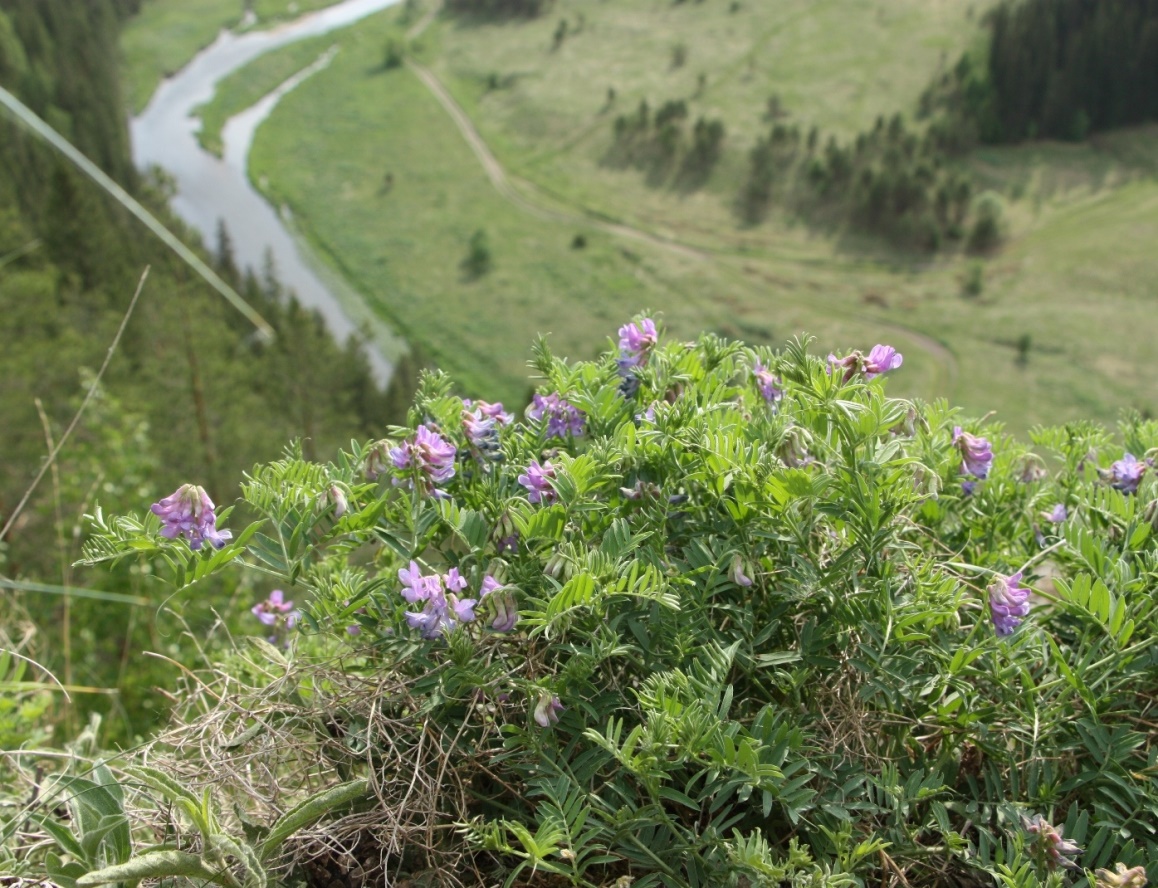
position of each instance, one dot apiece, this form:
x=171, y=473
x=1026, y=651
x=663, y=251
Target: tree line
x=1054, y=69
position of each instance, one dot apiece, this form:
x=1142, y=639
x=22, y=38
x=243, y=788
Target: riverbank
x=211, y=191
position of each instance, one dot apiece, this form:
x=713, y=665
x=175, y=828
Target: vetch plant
x=732, y=624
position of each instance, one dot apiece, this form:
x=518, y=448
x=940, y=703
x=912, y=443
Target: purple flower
x=537, y=479
x=274, y=606
x=416, y=587
x=482, y=431
x=441, y=613
x=428, y=453
x=648, y=414
x=493, y=411
x=562, y=417
x=882, y=359
x=1008, y=603
x=769, y=385
x=547, y=710
x=1057, y=515
x=443, y=609
x=737, y=575
x=637, y=339
x=1126, y=474
x=977, y=455
x=454, y=580
x=1058, y=851
x=189, y=511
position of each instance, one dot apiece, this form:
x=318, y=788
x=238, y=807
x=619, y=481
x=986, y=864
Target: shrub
x=478, y=258
x=986, y=231
x=707, y=616
x=974, y=282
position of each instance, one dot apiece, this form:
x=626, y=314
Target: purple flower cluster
x=537, y=479
x=1058, y=851
x=1126, y=474
x=188, y=511
x=428, y=453
x=562, y=417
x=482, y=422
x=1008, y=603
x=276, y=608
x=880, y=359
x=769, y=384
x=976, y=453
x=443, y=608
x=636, y=340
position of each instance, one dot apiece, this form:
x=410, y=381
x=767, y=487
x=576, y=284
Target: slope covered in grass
x=1059, y=328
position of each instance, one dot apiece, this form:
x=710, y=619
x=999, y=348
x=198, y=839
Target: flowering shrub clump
x=735, y=624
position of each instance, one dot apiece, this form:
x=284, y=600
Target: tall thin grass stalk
x=62, y=552
x=30, y=121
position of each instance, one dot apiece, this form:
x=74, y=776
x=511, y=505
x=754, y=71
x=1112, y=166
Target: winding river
x=209, y=189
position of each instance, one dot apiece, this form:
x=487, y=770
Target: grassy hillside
x=1059, y=329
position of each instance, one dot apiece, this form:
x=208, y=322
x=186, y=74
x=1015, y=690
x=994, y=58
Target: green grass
x=247, y=86
x=1077, y=274
x=166, y=34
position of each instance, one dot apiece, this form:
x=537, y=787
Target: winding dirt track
x=504, y=185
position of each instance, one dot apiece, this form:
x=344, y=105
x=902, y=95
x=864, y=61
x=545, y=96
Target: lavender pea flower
x=562, y=417
x=537, y=479
x=769, y=384
x=429, y=453
x=1126, y=474
x=494, y=411
x=1057, y=515
x=547, y=710
x=1058, y=850
x=882, y=359
x=736, y=574
x=637, y=339
x=976, y=453
x=1008, y=603
x=273, y=607
x=188, y=511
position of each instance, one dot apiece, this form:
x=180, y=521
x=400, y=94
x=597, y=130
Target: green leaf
x=310, y=810
x=157, y=865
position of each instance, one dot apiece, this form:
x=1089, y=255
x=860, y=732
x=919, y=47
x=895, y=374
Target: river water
x=209, y=189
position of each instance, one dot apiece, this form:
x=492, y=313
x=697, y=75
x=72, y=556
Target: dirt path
x=504, y=184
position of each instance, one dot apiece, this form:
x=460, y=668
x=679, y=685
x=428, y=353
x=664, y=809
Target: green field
x=168, y=33
x=1076, y=276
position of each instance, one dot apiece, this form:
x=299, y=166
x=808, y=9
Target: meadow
x=381, y=181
